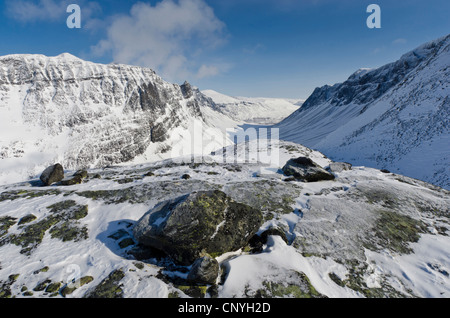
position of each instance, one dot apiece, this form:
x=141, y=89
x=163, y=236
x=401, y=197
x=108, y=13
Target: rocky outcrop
x=202, y=222
x=304, y=169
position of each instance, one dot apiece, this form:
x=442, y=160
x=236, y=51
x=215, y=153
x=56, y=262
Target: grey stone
x=205, y=270
x=52, y=174
x=304, y=169
x=339, y=166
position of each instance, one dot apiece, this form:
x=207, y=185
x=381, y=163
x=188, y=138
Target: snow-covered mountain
x=263, y=111
x=82, y=114
x=395, y=117
x=78, y=237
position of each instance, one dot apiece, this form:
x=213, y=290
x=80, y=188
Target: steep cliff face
x=83, y=114
x=394, y=117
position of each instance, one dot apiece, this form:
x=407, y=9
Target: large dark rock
x=304, y=169
x=52, y=174
x=202, y=222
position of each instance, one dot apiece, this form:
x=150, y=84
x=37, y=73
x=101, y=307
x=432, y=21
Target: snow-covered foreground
x=364, y=234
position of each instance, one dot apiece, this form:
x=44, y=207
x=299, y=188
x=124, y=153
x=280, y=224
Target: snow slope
x=395, y=117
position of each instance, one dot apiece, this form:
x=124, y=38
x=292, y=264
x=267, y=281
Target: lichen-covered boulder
x=304, y=169
x=52, y=174
x=202, y=222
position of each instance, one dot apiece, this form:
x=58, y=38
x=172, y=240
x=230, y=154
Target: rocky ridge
x=86, y=115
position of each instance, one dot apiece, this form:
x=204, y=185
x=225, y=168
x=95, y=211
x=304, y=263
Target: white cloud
x=29, y=11
x=207, y=71
x=166, y=37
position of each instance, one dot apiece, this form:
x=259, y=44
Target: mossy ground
x=5, y=287
x=62, y=223
x=26, y=194
x=5, y=223
x=355, y=280
x=70, y=288
x=110, y=287
x=395, y=232
x=297, y=285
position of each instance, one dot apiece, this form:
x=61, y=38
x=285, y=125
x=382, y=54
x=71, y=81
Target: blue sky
x=259, y=48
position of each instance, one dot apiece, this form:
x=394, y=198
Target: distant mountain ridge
x=395, y=117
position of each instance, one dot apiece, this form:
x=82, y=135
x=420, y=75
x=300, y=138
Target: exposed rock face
x=305, y=169
x=52, y=174
x=201, y=222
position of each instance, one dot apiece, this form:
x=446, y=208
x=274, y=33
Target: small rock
x=257, y=241
x=73, y=181
x=339, y=166
x=83, y=174
x=205, y=270
x=273, y=231
x=52, y=174
x=185, y=176
x=306, y=170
